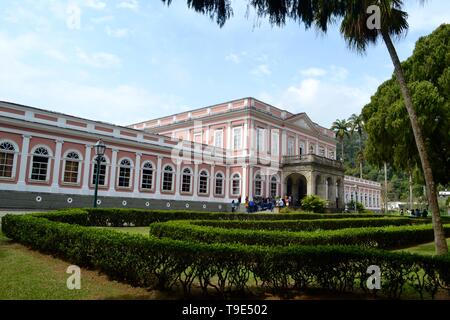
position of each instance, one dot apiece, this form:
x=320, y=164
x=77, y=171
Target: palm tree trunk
x=342, y=149
x=439, y=234
x=360, y=158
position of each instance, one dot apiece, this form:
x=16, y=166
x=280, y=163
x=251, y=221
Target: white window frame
x=237, y=145
x=275, y=145
x=291, y=146
x=49, y=163
x=216, y=179
x=200, y=182
x=216, y=144
x=173, y=172
x=273, y=180
x=258, y=179
x=198, y=135
x=15, y=157
x=152, y=175
x=191, y=176
x=233, y=179
x=80, y=164
x=261, y=139
x=130, y=179
x=92, y=175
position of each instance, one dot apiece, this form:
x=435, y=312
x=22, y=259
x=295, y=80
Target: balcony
x=312, y=159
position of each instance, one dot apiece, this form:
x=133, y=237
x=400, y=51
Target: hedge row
x=142, y=218
x=164, y=264
x=389, y=237
x=309, y=225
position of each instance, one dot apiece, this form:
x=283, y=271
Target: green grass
x=29, y=275
x=425, y=249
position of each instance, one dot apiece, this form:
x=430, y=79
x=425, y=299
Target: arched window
x=203, y=182
x=7, y=159
x=124, y=179
x=236, y=185
x=168, y=176
x=72, y=165
x=40, y=164
x=186, y=184
x=147, y=176
x=219, y=184
x=258, y=185
x=273, y=187
x=102, y=172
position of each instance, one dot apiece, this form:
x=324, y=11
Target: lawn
x=29, y=275
x=425, y=249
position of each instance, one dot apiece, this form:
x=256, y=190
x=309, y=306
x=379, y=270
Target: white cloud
x=117, y=33
x=233, y=57
x=95, y=4
x=24, y=82
x=129, y=4
x=326, y=98
x=313, y=72
x=73, y=16
x=262, y=70
x=99, y=59
x=429, y=16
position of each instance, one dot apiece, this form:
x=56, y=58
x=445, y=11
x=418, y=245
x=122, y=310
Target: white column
x=250, y=184
x=57, y=165
x=297, y=145
x=227, y=183
x=24, y=160
x=229, y=143
x=245, y=136
x=158, y=172
x=307, y=147
x=87, y=168
x=207, y=135
x=283, y=143
x=212, y=182
x=195, y=191
x=137, y=172
x=178, y=178
x=244, y=183
x=112, y=179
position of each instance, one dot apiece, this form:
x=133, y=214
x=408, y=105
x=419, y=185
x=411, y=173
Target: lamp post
x=99, y=148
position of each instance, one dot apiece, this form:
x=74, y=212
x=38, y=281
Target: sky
x=127, y=61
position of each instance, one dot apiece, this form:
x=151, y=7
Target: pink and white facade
x=202, y=159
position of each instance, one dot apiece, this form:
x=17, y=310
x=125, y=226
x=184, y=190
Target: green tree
x=341, y=129
x=354, y=18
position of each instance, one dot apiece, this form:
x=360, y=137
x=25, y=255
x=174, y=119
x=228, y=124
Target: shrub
x=142, y=218
x=308, y=225
x=389, y=237
x=226, y=268
x=313, y=203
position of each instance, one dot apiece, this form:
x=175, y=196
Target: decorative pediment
x=303, y=121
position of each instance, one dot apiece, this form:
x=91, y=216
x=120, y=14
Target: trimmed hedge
x=309, y=225
x=389, y=237
x=226, y=268
x=142, y=218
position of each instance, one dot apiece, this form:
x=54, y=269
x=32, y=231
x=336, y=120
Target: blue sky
x=126, y=61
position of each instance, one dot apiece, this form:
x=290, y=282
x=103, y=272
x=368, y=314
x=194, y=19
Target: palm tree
x=357, y=126
x=341, y=129
x=354, y=27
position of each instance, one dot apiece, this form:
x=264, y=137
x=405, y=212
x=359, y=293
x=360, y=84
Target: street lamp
x=99, y=149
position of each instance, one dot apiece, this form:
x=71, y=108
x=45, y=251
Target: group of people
x=261, y=204
x=415, y=213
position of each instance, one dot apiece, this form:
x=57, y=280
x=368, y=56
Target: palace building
x=197, y=160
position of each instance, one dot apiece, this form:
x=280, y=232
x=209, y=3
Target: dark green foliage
x=389, y=237
x=313, y=203
x=142, y=218
x=225, y=268
x=309, y=225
